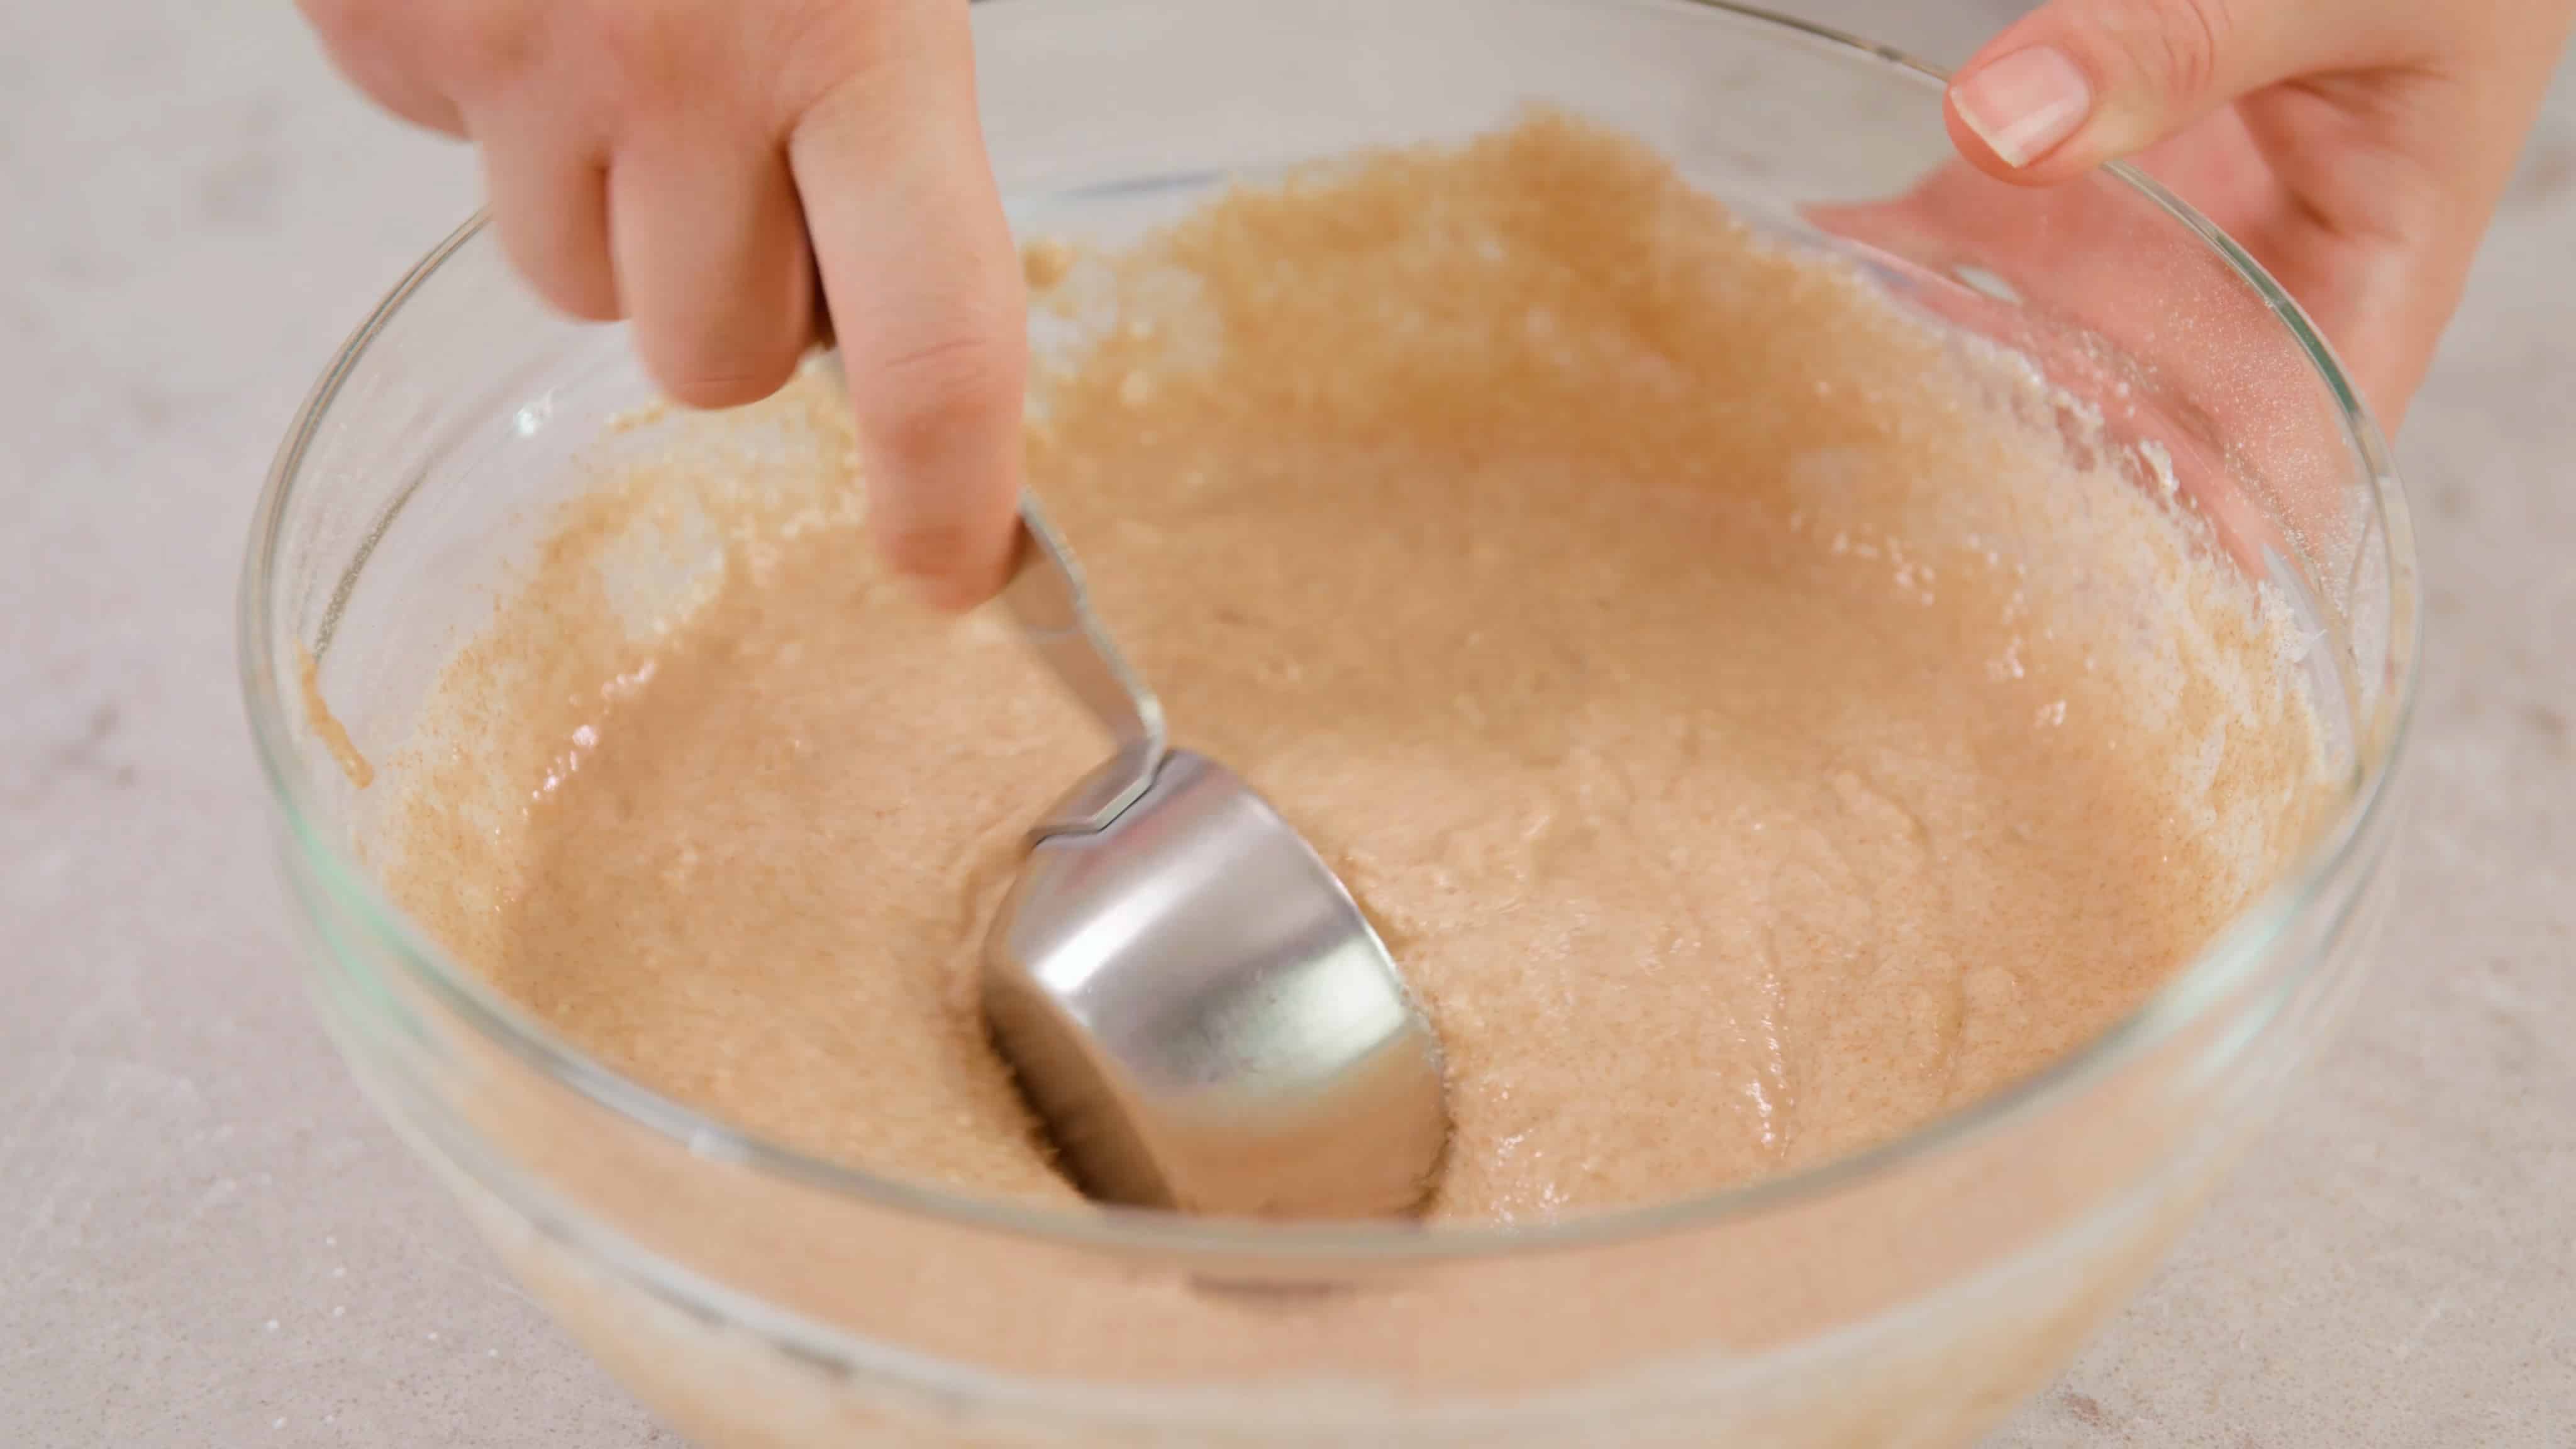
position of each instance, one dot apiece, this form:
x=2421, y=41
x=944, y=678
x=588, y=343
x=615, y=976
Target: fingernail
x=2023, y=104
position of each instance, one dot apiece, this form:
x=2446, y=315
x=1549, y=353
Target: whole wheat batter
x=1756, y=720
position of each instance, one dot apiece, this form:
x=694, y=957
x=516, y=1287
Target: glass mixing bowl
x=1905, y=1295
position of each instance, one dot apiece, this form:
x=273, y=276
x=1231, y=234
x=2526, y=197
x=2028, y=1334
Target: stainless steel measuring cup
x=1190, y=997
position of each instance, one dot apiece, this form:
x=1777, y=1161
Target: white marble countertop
x=206, y=1238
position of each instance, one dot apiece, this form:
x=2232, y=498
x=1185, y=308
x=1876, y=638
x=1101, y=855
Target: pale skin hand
x=2357, y=148
x=694, y=164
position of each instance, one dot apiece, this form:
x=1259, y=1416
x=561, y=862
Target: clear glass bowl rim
x=2239, y=953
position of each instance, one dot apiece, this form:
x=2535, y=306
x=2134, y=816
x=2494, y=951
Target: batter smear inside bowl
x=1757, y=719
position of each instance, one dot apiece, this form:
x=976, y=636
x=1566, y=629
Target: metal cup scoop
x=1190, y=998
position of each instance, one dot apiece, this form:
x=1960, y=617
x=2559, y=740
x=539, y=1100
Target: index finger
x=926, y=297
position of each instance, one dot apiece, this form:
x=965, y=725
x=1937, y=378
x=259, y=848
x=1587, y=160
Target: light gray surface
x=205, y=1238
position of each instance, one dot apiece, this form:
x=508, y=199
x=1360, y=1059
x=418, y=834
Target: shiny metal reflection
x=1192, y=1001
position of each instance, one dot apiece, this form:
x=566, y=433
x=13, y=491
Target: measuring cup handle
x=1047, y=598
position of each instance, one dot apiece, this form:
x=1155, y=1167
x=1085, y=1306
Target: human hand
x=693, y=164
x=2357, y=148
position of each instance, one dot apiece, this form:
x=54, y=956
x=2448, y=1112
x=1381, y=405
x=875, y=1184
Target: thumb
x=2080, y=82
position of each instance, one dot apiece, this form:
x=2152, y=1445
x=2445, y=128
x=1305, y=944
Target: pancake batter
x=1756, y=721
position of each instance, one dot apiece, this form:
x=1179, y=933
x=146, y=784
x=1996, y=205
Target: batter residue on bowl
x=1753, y=716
